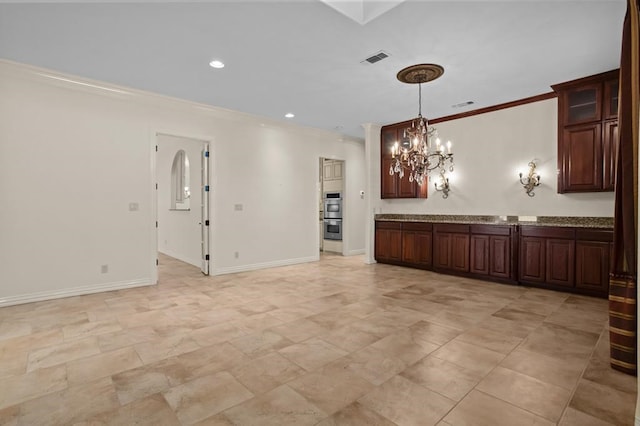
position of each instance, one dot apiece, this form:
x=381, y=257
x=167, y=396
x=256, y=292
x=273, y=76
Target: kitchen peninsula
x=559, y=253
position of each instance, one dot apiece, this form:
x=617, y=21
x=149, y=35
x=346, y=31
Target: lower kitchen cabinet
x=547, y=256
x=451, y=247
x=417, y=244
x=388, y=241
x=593, y=256
x=558, y=258
x=491, y=251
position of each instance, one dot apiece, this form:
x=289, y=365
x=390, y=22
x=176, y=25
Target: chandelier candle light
x=420, y=149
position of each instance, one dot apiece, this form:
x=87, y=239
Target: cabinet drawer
x=547, y=232
x=451, y=227
x=416, y=226
x=491, y=229
x=605, y=235
x=388, y=225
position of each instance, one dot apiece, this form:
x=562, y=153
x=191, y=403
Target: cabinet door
x=442, y=251
x=581, y=156
x=424, y=242
x=560, y=262
x=582, y=104
x=609, y=150
x=407, y=189
x=337, y=170
x=592, y=265
x=327, y=170
x=532, y=259
x=611, y=99
x=416, y=248
x=388, y=244
x=389, y=184
x=460, y=252
x=480, y=254
x=500, y=256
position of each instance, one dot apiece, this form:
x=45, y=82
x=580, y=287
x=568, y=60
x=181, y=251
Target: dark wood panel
x=594, y=234
x=547, y=231
x=417, y=226
x=491, y=229
x=592, y=266
x=389, y=182
x=442, y=251
x=388, y=224
x=609, y=152
x=451, y=228
x=388, y=245
x=532, y=259
x=460, y=252
x=581, y=151
x=560, y=262
x=480, y=255
x=500, y=256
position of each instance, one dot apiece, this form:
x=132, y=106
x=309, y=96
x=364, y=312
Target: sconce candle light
x=532, y=180
x=442, y=185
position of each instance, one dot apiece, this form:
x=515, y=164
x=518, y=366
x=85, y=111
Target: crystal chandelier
x=420, y=149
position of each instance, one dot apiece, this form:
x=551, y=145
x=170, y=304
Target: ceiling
x=306, y=58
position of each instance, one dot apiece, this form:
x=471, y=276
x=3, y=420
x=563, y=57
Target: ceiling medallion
x=420, y=149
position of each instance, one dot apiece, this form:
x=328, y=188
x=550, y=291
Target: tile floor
x=334, y=342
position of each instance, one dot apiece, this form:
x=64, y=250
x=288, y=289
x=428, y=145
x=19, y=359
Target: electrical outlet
x=238, y=207
x=104, y=269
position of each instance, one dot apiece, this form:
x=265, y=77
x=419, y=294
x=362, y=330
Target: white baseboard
x=74, y=291
x=264, y=265
x=354, y=252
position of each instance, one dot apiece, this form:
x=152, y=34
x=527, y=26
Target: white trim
x=354, y=252
x=76, y=291
x=265, y=265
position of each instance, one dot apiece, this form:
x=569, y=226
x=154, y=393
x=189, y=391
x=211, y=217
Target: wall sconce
x=530, y=181
x=442, y=185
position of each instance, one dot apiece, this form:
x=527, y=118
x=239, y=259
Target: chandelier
x=420, y=149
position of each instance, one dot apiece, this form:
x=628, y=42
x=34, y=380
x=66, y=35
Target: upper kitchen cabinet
x=392, y=186
x=587, y=132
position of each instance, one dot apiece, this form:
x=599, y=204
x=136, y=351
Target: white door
x=204, y=209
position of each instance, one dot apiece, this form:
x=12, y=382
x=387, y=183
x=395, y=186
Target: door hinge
x=156, y=262
x=156, y=186
x=156, y=148
x=206, y=257
x=206, y=188
x=206, y=223
x=206, y=153
x=156, y=223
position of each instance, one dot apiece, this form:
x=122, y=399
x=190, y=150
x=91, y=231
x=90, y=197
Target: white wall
x=74, y=156
x=489, y=151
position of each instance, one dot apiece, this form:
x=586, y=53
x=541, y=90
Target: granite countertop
x=568, y=221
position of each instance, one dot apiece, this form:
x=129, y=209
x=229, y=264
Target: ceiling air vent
x=462, y=104
x=376, y=58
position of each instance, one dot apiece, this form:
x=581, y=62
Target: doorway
x=331, y=195
x=182, y=170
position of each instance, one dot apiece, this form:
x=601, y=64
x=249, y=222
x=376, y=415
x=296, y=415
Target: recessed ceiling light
x=216, y=64
x=289, y=115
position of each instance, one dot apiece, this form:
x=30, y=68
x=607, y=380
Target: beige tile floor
x=334, y=342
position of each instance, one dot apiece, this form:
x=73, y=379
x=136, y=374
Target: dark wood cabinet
x=532, y=259
x=451, y=247
x=491, y=251
x=587, y=135
x=391, y=185
x=547, y=256
x=593, y=255
x=582, y=162
x=417, y=244
x=560, y=262
x=554, y=257
x=388, y=241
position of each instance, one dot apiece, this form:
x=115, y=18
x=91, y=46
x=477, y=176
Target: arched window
x=180, y=189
